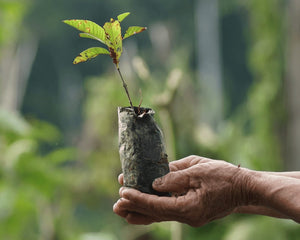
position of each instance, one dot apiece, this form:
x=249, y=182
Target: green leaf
x=122, y=16
x=133, y=30
x=90, y=53
x=87, y=35
x=90, y=28
x=110, y=35
x=114, y=39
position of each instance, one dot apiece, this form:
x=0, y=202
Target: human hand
x=202, y=190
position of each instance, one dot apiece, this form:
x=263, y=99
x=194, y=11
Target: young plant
x=110, y=35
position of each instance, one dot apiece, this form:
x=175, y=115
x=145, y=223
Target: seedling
x=142, y=151
x=110, y=35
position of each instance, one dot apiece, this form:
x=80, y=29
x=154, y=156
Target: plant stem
x=125, y=87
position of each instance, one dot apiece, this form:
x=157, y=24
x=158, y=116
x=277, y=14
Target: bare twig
x=141, y=100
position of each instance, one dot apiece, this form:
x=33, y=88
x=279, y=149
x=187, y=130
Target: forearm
x=260, y=210
x=292, y=174
x=276, y=194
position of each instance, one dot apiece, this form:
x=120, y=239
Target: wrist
x=246, y=182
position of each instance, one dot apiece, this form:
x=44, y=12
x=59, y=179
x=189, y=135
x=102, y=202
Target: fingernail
x=121, y=191
x=157, y=181
x=114, y=206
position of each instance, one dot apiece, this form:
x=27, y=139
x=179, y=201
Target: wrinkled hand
x=202, y=190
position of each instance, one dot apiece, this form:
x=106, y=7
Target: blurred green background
x=222, y=77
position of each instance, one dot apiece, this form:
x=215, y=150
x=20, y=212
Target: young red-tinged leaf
x=92, y=29
x=114, y=39
x=122, y=16
x=90, y=53
x=133, y=30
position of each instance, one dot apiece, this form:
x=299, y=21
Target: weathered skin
x=141, y=148
x=204, y=190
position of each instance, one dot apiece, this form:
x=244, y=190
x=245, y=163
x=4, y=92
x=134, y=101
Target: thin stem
x=125, y=87
x=140, y=101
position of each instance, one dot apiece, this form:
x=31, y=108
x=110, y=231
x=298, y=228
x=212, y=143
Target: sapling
x=110, y=35
x=141, y=147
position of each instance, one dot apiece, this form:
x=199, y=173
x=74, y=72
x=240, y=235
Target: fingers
x=180, y=164
x=131, y=217
x=187, y=162
x=121, y=179
x=172, y=182
x=182, y=177
x=141, y=208
x=178, y=181
x=123, y=208
x=154, y=207
x=119, y=209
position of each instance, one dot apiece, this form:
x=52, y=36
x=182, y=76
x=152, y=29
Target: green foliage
x=132, y=31
x=39, y=187
x=122, y=16
x=260, y=228
x=110, y=35
x=90, y=29
x=264, y=105
x=90, y=53
x=114, y=39
x=11, y=16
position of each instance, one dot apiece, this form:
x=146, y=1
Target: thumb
x=178, y=181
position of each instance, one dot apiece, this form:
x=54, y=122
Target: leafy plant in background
x=110, y=35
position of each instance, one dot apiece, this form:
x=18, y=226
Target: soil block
x=142, y=151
